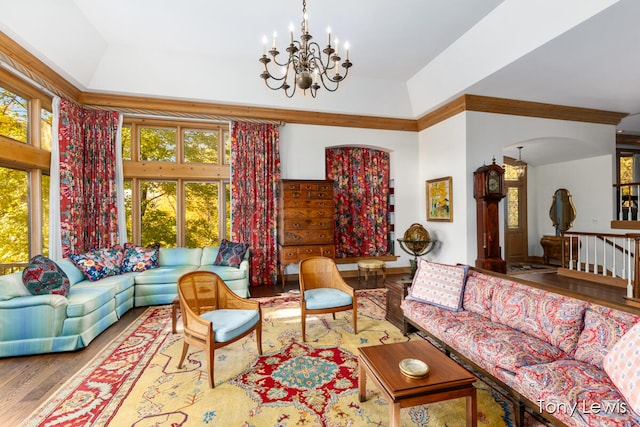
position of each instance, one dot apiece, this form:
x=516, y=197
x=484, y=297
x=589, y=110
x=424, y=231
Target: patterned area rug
x=135, y=380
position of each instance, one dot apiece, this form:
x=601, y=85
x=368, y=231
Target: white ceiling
x=410, y=56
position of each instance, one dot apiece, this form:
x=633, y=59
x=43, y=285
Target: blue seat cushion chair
x=229, y=324
x=321, y=298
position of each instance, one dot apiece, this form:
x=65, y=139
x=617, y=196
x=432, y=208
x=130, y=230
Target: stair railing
x=614, y=258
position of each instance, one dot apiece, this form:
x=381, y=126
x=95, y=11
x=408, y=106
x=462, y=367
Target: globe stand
x=416, y=248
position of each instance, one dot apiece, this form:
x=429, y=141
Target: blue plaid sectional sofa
x=574, y=361
x=35, y=324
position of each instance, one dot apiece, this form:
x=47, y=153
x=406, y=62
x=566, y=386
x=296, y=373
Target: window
x=44, y=185
x=628, y=183
x=200, y=146
x=24, y=184
x=158, y=144
x=202, y=218
x=513, y=207
x=14, y=216
x=177, y=190
x=13, y=120
x=158, y=213
x=126, y=142
x=46, y=121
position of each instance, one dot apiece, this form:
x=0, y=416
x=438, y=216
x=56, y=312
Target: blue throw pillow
x=231, y=254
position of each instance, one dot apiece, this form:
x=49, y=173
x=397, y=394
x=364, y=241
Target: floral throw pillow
x=96, y=265
x=231, y=254
x=114, y=255
x=139, y=258
x=43, y=276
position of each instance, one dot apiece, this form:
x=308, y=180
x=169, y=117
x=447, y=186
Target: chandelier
x=306, y=66
x=521, y=167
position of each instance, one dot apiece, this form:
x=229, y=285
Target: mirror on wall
x=562, y=212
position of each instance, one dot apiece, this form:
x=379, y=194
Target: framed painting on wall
x=439, y=199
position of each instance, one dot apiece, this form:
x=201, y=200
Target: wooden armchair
x=323, y=290
x=214, y=316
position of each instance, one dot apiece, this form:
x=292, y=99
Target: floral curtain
x=361, y=194
x=88, y=191
x=255, y=173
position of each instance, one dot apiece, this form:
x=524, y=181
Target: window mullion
x=180, y=214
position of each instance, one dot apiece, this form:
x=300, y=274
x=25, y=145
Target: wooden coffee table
x=446, y=379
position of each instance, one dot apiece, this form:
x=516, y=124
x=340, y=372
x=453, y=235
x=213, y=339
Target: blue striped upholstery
x=33, y=324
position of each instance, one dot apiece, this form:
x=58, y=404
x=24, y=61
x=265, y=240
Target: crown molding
x=33, y=68
x=23, y=61
x=538, y=109
x=227, y=111
x=487, y=104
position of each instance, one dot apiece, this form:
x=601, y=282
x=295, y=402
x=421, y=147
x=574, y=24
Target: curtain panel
x=88, y=190
x=361, y=194
x=255, y=173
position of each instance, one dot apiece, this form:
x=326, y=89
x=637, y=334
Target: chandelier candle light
x=306, y=64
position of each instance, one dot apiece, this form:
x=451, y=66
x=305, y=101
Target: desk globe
x=417, y=242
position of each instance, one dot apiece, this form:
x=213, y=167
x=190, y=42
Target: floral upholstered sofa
x=33, y=324
x=574, y=362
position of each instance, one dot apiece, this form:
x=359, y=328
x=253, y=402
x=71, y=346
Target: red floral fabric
x=255, y=173
x=361, y=194
x=88, y=210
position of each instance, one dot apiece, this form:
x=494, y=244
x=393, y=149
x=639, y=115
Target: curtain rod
x=23, y=73
x=155, y=114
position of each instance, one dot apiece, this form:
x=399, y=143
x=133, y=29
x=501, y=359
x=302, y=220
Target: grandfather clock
x=488, y=190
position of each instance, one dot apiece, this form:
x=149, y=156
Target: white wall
x=302, y=157
x=589, y=182
x=443, y=153
x=458, y=146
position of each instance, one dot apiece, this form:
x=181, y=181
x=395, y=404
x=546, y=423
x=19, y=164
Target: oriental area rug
x=135, y=380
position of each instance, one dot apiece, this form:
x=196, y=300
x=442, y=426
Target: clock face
x=493, y=182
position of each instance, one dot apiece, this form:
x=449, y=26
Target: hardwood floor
x=26, y=381
x=583, y=287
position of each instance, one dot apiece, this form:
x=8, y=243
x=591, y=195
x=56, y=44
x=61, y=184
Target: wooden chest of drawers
x=305, y=222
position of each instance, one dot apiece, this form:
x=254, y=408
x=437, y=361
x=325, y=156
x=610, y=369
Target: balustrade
x=612, y=257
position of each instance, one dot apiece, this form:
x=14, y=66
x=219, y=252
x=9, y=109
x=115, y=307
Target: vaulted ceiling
x=409, y=56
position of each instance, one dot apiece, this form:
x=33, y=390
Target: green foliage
x=201, y=203
x=158, y=144
x=13, y=115
x=158, y=211
x=126, y=142
x=14, y=216
x=201, y=146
